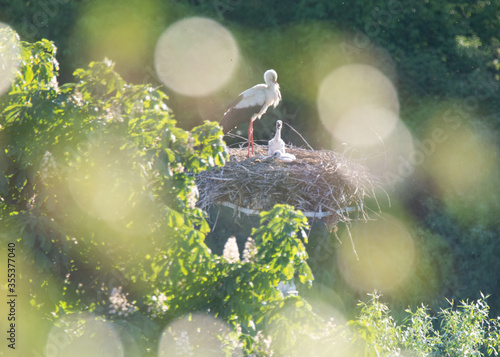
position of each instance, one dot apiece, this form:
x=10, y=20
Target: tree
x=98, y=192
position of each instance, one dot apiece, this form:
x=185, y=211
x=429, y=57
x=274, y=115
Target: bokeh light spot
x=122, y=31
x=195, y=335
x=83, y=334
x=375, y=123
x=393, y=158
x=9, y=60
x=461, y=161
x=106, y=186
x=196, y=56
x=100, y=194
x=358, y=104
x=386, y=255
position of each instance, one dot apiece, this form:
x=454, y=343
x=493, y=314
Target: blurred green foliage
x=97, y=185
x=99, y=193
x=463, y=330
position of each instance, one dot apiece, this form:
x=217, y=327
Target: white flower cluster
x=49, y=167
x=119, y=304
x=231, y=252
x=250, y=251
x=263, y=345
x=192, y=197
x=159, y=305
x=183, y=346
x=230, y=342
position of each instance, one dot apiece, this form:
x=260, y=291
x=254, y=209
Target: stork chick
x=283, y=156
x=276, y=143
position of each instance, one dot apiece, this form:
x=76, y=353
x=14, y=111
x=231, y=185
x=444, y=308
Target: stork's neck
x=271, y=84
x=278, y=133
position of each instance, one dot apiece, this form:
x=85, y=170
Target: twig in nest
x=296, y=132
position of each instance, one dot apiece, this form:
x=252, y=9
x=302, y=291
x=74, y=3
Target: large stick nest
x=322, y=184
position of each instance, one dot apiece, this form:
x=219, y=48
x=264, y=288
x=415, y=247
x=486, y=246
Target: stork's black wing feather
x=247, y=104
x=225, y=120
x=235, y=116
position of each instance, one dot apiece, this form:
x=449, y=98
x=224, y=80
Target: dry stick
x=291, y=127
x=352, y=242
x=216, y=219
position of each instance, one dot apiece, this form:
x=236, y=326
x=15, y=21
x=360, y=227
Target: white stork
x=276, y=143
x=253, y=103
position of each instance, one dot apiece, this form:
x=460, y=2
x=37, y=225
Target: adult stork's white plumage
x=276, y=143
x=253, y=103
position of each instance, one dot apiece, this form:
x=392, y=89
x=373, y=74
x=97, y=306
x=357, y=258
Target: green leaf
x=180, y=261
x=4, y=185
x=288, y=272
x=174, y=218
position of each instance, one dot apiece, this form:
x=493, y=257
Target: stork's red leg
x=250, y=137
x=252, y=140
